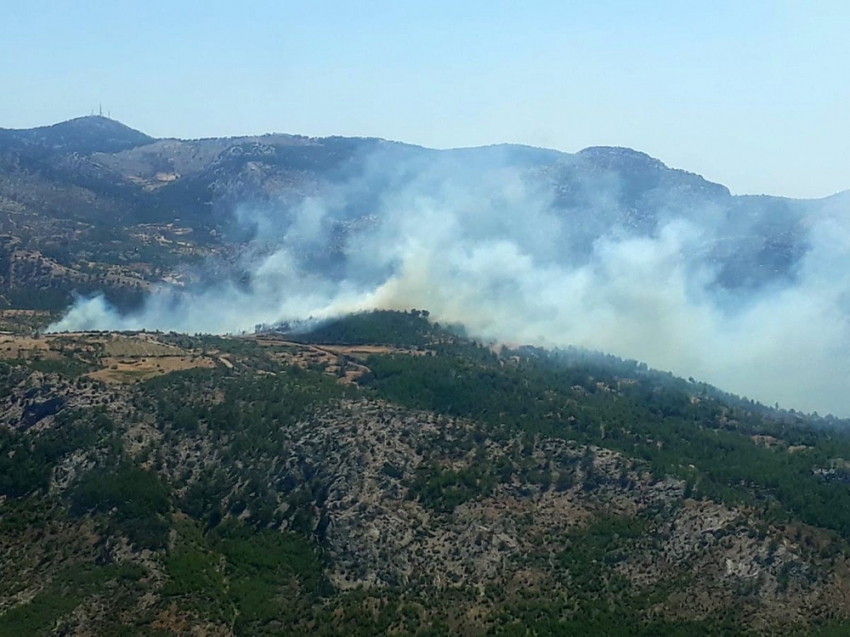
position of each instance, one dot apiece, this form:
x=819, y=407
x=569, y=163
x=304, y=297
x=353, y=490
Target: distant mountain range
x=94, y=172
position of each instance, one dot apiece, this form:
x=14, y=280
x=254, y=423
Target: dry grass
x=14, y=346
x=123, y=370
x=117, y=345
x=344, y=362
x=120, y=358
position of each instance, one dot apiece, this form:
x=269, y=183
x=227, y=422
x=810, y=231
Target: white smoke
x=484, y=248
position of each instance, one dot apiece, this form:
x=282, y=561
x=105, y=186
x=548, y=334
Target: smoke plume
x=749, y=294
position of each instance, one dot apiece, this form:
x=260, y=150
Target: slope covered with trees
x=384, y=474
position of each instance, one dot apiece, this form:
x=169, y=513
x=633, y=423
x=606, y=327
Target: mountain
x=150, y=207
x=324, y=472
x=83, y=136
x=384, y=475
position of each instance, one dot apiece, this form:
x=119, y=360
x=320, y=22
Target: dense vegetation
x=226, y=494
x=401, y=329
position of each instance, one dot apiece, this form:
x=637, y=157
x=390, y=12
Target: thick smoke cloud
x=495, y=244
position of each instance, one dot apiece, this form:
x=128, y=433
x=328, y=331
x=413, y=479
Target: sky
x=754, y=94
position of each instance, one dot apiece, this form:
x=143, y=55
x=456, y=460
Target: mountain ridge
x=86, y=135
x=94, y=125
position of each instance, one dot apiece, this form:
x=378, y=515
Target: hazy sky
x=752, y=93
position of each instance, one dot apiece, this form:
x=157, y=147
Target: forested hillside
x=385, y=474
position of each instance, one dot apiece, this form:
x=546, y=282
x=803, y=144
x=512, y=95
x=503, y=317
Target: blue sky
x=754, y=94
